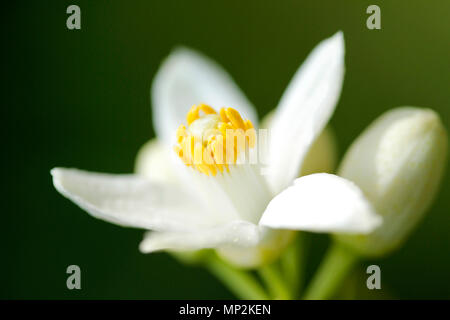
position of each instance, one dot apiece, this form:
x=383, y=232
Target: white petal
x=186, y=78
x=154, y=162
x=130, y=200
x=304, y=110
x=322, y=203
x=239, y=233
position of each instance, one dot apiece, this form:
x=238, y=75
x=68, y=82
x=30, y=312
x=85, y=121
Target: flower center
x=221, y=145
x=213, y=141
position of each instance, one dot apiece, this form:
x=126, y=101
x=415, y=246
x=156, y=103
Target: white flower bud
x=398, y=162
x=153, y=161
x=322, y=156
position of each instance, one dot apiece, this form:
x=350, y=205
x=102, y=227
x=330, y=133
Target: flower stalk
x=275, y=283
x=292, y=266
x=336, y=265
x=242, y=283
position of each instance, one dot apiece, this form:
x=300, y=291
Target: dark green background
x=81, y=99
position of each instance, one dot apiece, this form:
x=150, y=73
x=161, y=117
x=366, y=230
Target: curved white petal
x=322, y=203
x=130, y=200
x=304, y=110
x=186, y=78
x=236, y=233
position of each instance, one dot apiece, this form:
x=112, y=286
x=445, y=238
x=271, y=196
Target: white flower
x=239, y=210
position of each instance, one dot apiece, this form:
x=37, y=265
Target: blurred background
x=80, y=98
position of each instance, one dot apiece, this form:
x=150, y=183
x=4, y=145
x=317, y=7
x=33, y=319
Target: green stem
x=337, y=263
x=292, y=266
x=274, y=282
x=242, y=283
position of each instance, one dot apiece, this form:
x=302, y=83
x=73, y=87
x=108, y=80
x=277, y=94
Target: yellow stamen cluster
x=213, y=141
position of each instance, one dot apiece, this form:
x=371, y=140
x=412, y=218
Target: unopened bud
x=398, y=162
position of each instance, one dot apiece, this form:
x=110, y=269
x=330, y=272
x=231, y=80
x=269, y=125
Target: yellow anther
x=181, y=133
x=219, y=167
x=223, y=115
x=187, y=146
x=202, y=168
x=178, y=150
x=206, y=109
x=235, y=118
x=251, y=138
x=218, y=152
x=208, y=157
x=250, y=133
x=213, y=142
x=212, y=168
x=192, y=115
x=223, y=127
